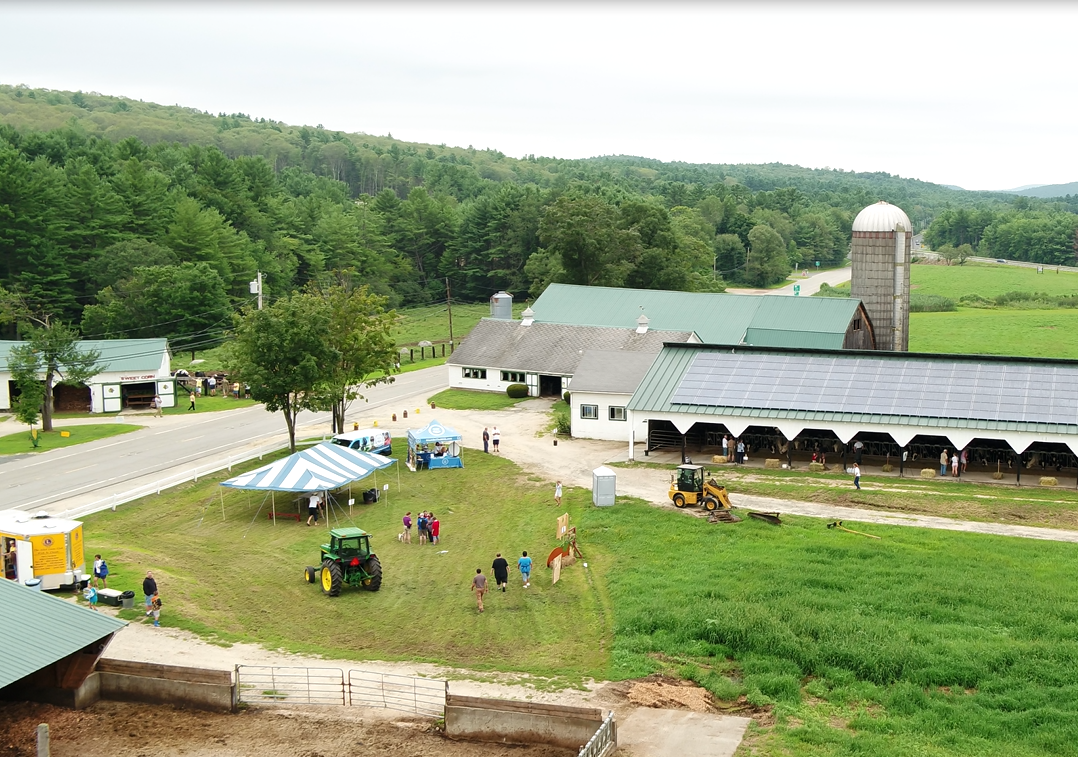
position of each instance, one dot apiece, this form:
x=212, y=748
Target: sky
x=977, y=95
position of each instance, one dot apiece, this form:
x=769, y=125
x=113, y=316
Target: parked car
x=367, y=440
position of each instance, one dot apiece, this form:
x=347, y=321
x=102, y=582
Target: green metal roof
x=42, y=629
x=716, y=318
x=659, y=385
x=117, y=355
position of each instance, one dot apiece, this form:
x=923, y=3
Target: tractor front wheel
x=310, y=574
x=332, y=578
x=374, y=568
x=710, y=503
x=679, y=500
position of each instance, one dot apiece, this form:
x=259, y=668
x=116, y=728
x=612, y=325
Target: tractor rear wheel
x=679, y=500
x=332, y=578
x=710, y=503
x=374, y=567
x=311, y=574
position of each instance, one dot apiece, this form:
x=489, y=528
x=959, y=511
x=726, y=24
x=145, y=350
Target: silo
x=501, y=306
x=880, y=255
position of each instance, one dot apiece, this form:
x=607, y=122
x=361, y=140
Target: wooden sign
x=556, y=565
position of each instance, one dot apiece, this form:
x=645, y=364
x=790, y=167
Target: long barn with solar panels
x=1005, y=412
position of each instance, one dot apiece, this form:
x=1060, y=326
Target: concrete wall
x=506, y=722
x=872, y=256
x=154, y=684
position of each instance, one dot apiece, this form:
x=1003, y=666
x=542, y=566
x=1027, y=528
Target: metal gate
x=604, y=741
x=256, y=684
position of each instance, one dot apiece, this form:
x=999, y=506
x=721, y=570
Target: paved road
x=810, y=285
x=59, y=480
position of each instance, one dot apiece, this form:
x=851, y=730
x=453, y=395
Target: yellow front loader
x=689, y=488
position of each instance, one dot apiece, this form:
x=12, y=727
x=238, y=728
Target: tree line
x=1037, y=233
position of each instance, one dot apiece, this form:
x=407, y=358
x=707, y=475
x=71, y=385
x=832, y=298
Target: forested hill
x=136, y=219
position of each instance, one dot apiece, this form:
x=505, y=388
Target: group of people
x=957, y=461
x=428, y=528
x=492, y=437
x=733, y=447
x=500, y=568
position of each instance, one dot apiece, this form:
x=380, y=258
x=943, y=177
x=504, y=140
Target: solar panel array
x=992, y=391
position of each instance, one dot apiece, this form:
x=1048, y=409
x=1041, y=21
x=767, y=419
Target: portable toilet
x=41, y=547
x=603, y=486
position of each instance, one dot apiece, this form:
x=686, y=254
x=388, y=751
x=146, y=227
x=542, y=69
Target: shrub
x=516, y=391
x=564, y=425
x=565, y=397
x=930, y=303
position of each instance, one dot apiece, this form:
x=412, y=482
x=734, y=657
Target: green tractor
x=347, y=559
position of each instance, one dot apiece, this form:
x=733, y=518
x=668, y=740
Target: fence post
x=411, y=355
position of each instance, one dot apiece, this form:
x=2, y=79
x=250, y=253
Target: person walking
x=557, y=494
x=313, y=508
x=501, y=571
x=943, y=463
x=486, y=440
x=149, y=589
x=91, y=596
x=406, y=535
x=101, y=573
x=479, y=586
x=524, y=564
x=192, y=397
x=158, y=403
x=857, y=475
x=495, y=438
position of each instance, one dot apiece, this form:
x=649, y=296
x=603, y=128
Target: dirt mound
x=670, y=694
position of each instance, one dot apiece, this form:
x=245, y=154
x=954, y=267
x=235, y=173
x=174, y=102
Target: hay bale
x=816, y=467
x=887, y=467
x=720, y=459
x=928, y=473
x=1049, y=481
x=773, y=463
x=998, y=476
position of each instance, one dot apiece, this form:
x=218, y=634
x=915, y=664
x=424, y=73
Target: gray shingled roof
x=551, y=348
x=41, y=629
x=611, y=372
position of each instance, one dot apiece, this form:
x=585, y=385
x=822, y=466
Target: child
x=91, y=596
x=155, y=605
x=435, y=527
x=525, y=566
x=101, y=572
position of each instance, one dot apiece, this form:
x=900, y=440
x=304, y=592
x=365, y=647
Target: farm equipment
x=690, y=488
x=347, y=559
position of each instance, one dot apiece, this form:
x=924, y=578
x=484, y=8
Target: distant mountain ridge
x=1045, y=190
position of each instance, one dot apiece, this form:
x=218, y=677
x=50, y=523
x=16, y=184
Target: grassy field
x=432, y=323
x=1031, y=333
x=989, y=280
x=19, y=443
x=924, y=642
x=466, y=399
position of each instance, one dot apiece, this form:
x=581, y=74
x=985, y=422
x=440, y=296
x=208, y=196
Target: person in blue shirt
x=525, y=566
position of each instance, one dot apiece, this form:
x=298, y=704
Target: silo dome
x=883, y=216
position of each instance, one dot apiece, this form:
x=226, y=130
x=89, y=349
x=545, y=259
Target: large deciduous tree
x=52, y=350
x=283, y=353
x=767, y=262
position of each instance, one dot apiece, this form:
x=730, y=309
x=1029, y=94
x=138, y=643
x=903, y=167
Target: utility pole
x=256, y=288
x=449, y=305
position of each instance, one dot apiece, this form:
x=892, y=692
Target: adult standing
x=857, y=475
x=314, y=505
x=158, y=403
x=486, y=440
x=858, y=448
x=557, y=494
x=524, y=564
x=435, y=529
x=740, y=452
x=211, y=384
x=479, y=586
x=964, y=459
x=501, y=571
x=943, y=463
x=421, y=526
x=495, y=438
x=406, y=535
x=149, y=589
x=726, y=447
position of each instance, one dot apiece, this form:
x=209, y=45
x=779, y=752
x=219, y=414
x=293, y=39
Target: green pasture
x=1029, y=333
x=469, y=399
x=989, y=280
x=431, y=323
x=922, y=642
x=19, y=443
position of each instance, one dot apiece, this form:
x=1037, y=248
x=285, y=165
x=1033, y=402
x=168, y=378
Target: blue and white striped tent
x=323, y=467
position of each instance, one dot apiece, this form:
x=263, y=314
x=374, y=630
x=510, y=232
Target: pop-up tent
x=321, y=468
x=425, y=443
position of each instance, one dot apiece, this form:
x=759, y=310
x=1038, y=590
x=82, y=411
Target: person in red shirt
x=435, y=528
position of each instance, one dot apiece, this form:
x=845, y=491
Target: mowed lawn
x=989, y=280
x=1029, y=333
x=922, y=642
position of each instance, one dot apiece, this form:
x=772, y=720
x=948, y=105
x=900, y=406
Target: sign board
x=797, y=290
x=563, y=527
x=817, y=263
x=50, y=554
x=556, y=565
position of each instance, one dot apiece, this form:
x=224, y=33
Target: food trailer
x=42, y=547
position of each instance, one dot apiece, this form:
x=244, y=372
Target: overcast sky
x=978, y=95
